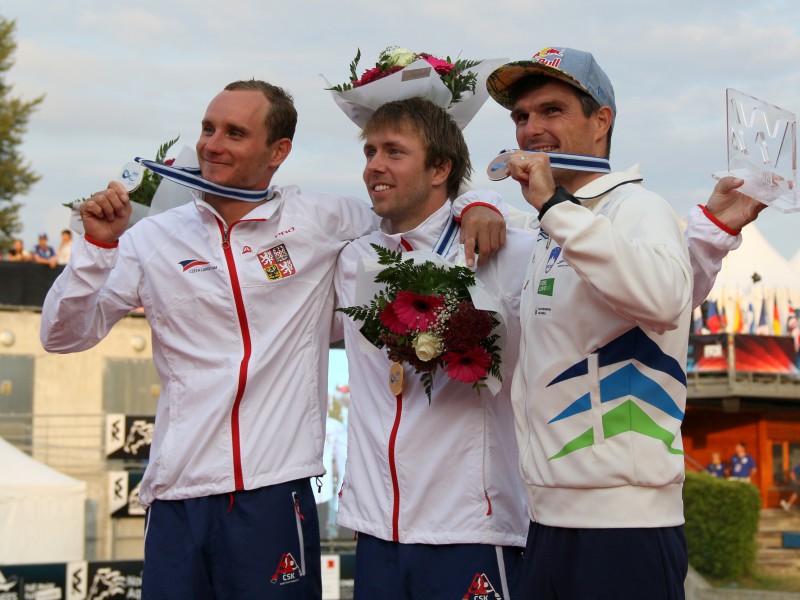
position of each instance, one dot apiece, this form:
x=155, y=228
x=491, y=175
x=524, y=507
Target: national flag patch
x=276, y=262
x=552, y=259
x=192, y=263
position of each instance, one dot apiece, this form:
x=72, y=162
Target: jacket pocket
x=298, y=517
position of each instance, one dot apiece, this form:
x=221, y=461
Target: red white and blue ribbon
x=190, y=177
x=498, y=167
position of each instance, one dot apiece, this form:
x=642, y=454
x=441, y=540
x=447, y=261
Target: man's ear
x=603, y=117
x=441, y=171
x=280, y=150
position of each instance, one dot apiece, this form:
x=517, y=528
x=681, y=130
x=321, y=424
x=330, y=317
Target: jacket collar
x=423, y=237
x=606, y=183
x=262, y=211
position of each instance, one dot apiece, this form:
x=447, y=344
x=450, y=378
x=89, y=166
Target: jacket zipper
x=237, y=297
x=393, y=470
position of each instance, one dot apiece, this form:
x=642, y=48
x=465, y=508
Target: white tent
x=41, y=511
x=796, y=261
x=779, y=284
x=756, y=255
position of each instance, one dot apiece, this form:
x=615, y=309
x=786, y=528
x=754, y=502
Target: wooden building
x=745, y=388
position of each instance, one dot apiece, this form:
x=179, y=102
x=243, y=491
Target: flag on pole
x=712, y=318
x=792, y=327
x=776, y=317
x=738, y=324
x=723, y=318
x=697, y=320
x=763, y=325
x=791, y=319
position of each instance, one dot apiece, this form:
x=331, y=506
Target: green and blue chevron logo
x=627, y=381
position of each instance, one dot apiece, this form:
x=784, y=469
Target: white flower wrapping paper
x=417, y=79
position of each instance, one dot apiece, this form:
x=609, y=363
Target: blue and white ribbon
x=497, y=169
x=190, y=177
x=449, y=234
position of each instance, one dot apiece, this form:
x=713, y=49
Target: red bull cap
x=575, y=67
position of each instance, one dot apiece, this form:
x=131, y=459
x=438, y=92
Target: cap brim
x=501, y=80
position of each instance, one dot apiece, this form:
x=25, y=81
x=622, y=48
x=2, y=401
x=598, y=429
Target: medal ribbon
x=572, y=162
x=447, y=237
x=190, y=177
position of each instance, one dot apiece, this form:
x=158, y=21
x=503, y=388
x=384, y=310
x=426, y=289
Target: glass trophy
x=762, y=150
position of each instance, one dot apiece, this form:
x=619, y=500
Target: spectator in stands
x=65, y=248
x=43, y=253
x=17, y=253
x=794, y=481
x=742, y=464
x=716, y=467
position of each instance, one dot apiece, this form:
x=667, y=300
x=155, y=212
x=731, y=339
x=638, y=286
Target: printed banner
x=765, y=354
x=80, y=580
x=129, y=436
x=707, y=354
x=123, y=495
x=769, y=354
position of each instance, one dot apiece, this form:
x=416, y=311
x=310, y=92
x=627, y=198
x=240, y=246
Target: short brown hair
x=281, y=118
x=441, y=137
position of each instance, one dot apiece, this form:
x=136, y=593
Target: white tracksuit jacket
x=442, y=473
x=241, y=322
x=599, y=392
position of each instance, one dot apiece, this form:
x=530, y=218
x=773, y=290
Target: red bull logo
x=549, y=56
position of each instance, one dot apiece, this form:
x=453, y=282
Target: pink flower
x=416, y=311
x=442, y=67
x=389, y=318
x=469, y=366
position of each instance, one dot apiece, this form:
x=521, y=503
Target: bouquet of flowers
x=454, y=75
x=425, y=317
x=459, y=86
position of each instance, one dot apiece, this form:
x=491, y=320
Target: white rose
x=400, y=57
x=427, y=346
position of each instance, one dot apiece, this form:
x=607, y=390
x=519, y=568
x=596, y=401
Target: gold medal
x=396, y=379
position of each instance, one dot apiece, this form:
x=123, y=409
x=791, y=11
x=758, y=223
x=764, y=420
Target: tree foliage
x=16, y=176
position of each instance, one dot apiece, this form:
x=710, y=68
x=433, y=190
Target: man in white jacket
x=432, y=488
x=599, y=392
x=239, y=296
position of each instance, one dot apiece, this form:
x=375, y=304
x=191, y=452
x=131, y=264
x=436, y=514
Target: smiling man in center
x=433, y=490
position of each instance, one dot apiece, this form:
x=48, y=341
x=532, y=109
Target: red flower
x=467, y=326
x=469, y=366
x=169, y=161
x=416, y=311
x=389, y=318
x=374, y=74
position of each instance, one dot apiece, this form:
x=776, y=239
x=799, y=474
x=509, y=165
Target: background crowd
x=42, y=253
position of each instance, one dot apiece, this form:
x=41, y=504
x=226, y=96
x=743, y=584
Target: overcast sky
x=120, y=78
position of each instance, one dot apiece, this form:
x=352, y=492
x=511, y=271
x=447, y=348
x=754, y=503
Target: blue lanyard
x=190, y=177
